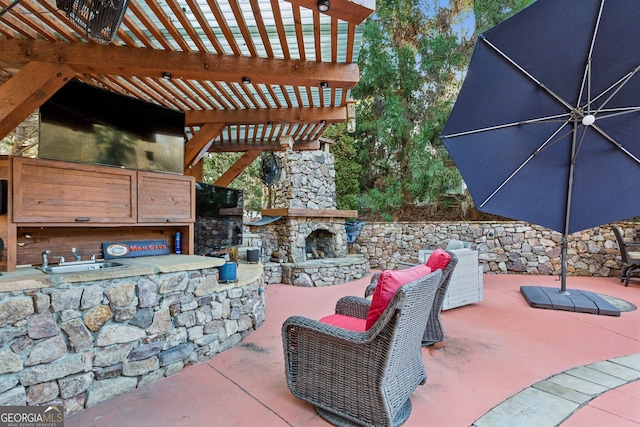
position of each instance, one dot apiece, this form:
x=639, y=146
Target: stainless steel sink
x=80, y=266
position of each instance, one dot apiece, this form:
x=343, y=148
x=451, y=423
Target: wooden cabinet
x=165, y=198
x=49, y=191
x=58, y=205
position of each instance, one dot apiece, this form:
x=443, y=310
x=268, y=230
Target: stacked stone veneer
x=503, y=247
x=307, y=181
x=289, y=235
x=82, y=343
x=322, y=272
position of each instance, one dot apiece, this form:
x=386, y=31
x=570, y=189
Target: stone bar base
x=78, y=344
x=319, y=272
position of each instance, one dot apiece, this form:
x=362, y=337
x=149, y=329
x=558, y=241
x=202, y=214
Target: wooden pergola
x=245, y=72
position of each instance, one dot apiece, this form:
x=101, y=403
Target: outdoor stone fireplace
x=303, y=235
x=296, y=238
x=321, y=243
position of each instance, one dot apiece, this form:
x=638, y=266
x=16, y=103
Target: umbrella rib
x=618, y=112
x=526, y=73
x=522, y=165
x=575, y=154
x=616, y=143
x=587, y=71
x=558, y=139
x=506, y=125
x=618, y=85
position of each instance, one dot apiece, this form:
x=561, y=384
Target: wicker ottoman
x=466, y=280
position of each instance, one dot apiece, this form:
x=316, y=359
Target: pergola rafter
x=252, y=70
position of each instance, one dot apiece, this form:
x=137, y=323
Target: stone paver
x=631, y=361
x=551, y=401
x=563, y=392
x=616, y=370
x=529, y=408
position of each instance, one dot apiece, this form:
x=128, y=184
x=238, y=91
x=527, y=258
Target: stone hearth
x=317, y=272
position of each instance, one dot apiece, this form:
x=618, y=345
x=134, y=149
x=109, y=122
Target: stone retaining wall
x=504, y=247
x=82, y=343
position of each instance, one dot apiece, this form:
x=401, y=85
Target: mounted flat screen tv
x=82, y=123
x=218, y=218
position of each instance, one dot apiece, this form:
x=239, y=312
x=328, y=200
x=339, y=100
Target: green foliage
x=384, y=199
x=411, y=67
x=346, y=167
x=412, y=62
x=489, y=13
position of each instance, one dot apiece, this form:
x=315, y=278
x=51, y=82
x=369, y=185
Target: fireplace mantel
x=311, y=213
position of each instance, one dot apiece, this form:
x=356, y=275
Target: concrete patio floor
x=502, y=363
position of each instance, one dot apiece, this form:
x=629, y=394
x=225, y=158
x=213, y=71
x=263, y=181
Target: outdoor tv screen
x=86, y=124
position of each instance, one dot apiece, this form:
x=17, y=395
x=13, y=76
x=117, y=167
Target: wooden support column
x=236, y=169
x=196, y=171
x=200, y=142
x=27, y=90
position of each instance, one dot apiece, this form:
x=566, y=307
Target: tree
x=23, y=140
x=346, y=167
x=489, y=13
x=411, y=66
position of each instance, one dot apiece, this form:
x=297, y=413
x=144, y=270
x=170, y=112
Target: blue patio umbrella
x=546, y=128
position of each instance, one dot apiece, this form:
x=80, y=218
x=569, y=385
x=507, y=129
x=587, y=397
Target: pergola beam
x=354, y=11
x=200, y=143
x=129, y=62
x=28, y=90
x=264, y=115
x=236, y=169
x=266, y=146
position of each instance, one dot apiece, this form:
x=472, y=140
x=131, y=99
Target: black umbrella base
x=573, y=300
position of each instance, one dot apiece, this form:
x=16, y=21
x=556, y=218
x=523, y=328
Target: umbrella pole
x=563, y=271
x=564, y=244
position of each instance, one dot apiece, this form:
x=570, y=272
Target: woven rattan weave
x=361, y=378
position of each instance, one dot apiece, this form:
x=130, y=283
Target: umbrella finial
x=588, y=120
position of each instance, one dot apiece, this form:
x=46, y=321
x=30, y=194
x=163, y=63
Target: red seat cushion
x=345, y=322
x=388, y=283
x=438, y=260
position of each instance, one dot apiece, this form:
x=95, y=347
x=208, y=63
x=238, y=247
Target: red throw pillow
x=438, y=260
x=345, y=322
x=388, y=283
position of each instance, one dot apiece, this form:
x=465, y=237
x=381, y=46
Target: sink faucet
x=61, y=258
x=76, y=254
x=45, y=260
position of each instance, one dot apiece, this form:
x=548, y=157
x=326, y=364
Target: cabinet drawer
x=51, y=191
x=165, y=198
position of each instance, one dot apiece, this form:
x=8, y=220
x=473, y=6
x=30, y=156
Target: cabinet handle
x=83, y=219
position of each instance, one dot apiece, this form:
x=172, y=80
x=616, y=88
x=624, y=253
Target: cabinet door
x=61, y=192
x=165, y=198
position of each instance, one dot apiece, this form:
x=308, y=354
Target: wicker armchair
x=434, y=331
x=630, y=253
x=361, y=378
